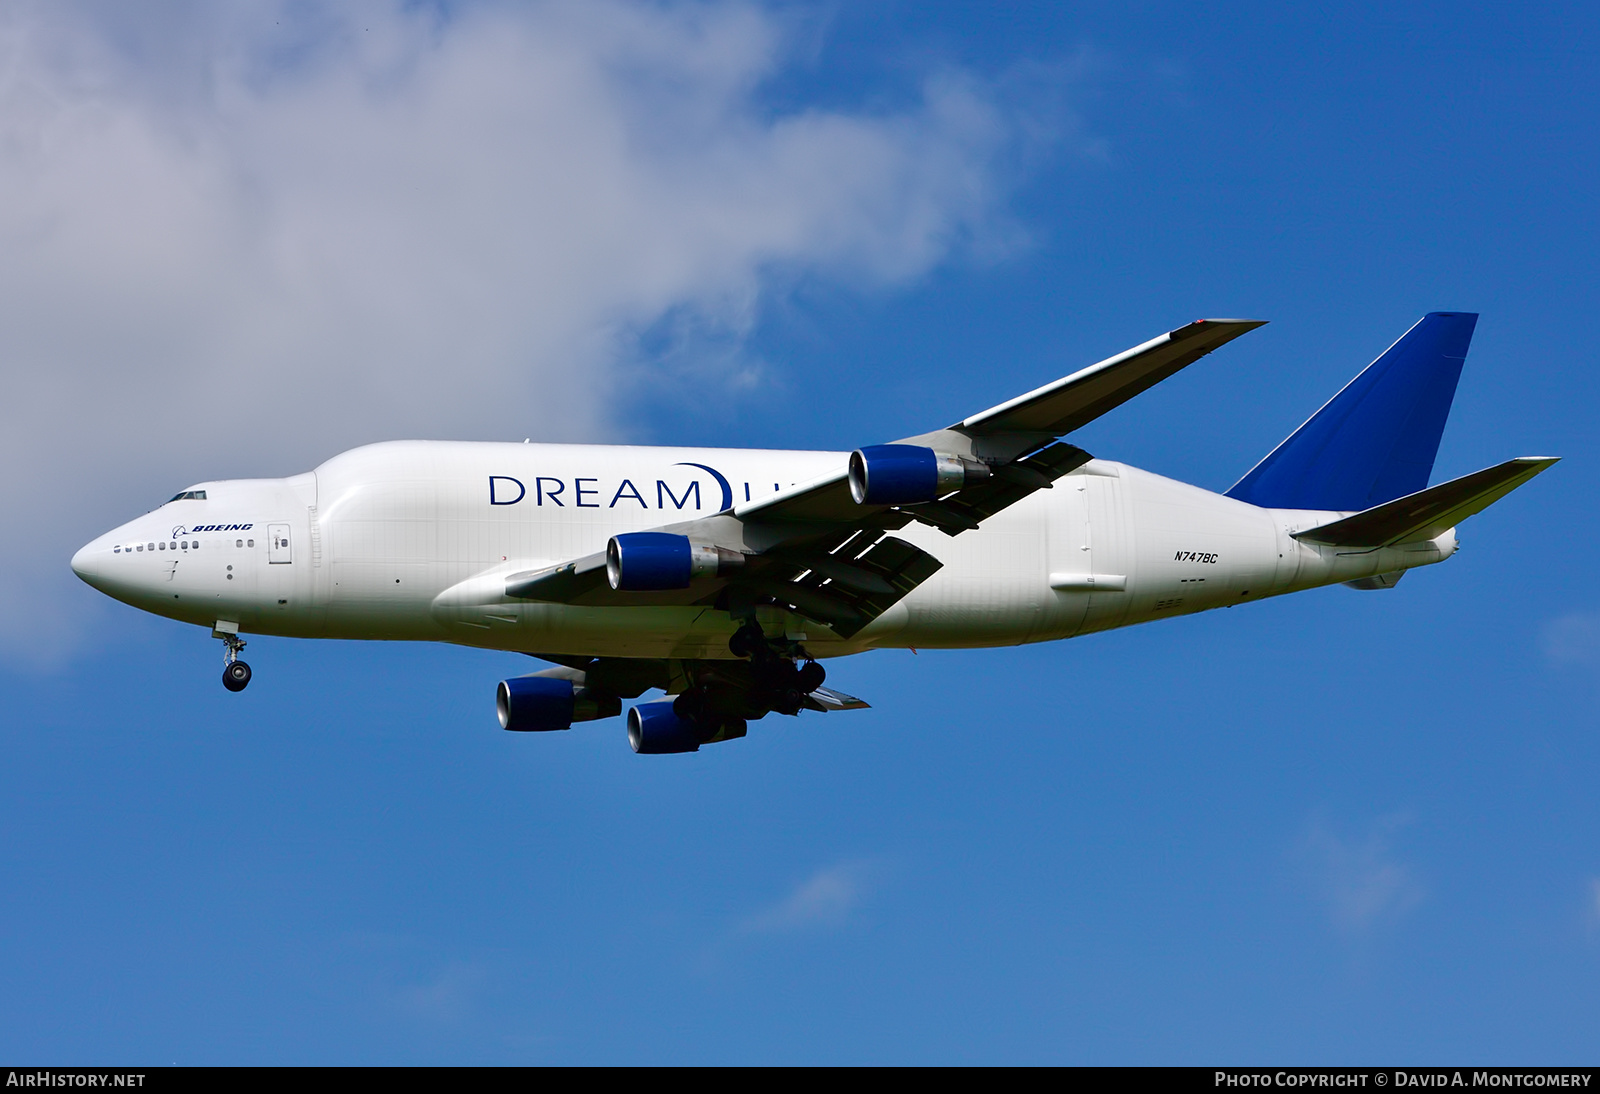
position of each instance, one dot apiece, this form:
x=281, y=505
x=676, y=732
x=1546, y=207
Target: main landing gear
x=782, y=682
x=724, y=695
x=235, y=673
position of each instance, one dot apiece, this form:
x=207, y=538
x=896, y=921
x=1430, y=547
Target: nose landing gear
x=235, y=673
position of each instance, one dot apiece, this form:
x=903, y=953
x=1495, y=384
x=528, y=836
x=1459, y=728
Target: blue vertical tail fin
x=1376, y=440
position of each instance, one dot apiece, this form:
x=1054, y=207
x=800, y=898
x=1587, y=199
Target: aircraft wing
x=999, y=435
x=827, y=500
x=1074, y=401
x=843, y=577
x=813, y=548
x=817, y=549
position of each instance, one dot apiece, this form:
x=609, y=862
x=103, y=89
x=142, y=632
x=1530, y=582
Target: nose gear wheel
x=235, y=673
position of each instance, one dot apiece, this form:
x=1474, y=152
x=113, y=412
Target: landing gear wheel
x=688, y=705
x=747, y=641
x=235, y=673
x=811, y=677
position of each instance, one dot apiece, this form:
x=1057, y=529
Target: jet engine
x=648, y=561
x=904, y=474
x=539, y=703
x=656, y=728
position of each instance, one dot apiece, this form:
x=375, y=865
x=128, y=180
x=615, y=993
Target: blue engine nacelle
x=655, y=728
x=650, y=561
x=904, y=474
x=540, y=703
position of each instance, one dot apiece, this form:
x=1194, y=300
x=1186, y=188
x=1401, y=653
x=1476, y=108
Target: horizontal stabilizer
x=1429, y=513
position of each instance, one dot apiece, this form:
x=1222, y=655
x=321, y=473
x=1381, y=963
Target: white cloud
x=1573, y=639
x=447, y=999
x=825, y=899
x=1360, y=881
x=235, y=242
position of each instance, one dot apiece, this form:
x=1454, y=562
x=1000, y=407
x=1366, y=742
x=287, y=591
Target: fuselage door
x=1109, y=557
x=278, y=549
x=1069, y=555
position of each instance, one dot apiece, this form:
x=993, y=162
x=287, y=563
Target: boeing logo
x=180, y=531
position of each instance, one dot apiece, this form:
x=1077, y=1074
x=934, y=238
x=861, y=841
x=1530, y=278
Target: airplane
x=724, y=577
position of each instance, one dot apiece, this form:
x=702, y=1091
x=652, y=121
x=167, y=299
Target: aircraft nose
x=86, y=562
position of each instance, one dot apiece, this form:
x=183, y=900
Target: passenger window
x=238, y=543
x=141, y=546
x=252, y=543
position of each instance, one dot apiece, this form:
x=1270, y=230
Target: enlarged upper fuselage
x=415, y=539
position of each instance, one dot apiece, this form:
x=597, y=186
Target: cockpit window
x=188, y=495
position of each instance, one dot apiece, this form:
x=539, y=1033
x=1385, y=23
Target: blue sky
x=1336, y=827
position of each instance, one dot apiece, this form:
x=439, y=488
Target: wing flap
x=826, y=699
x=1428, y=513
x=850, y=586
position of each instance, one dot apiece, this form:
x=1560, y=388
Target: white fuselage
x=413, y=539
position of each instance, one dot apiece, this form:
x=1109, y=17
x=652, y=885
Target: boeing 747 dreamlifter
x=723, y=577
